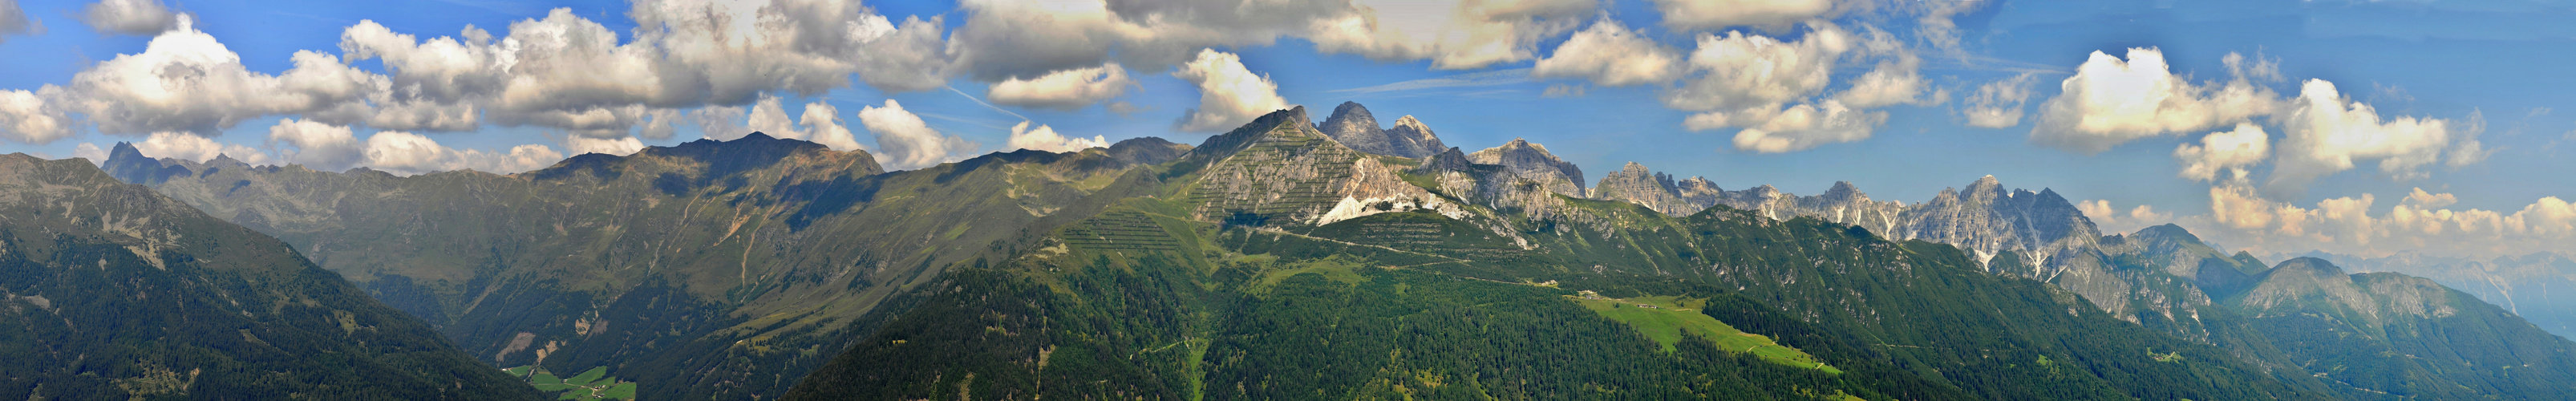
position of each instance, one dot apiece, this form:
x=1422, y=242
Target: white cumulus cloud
x=1803, y=127
x=26, y=117
x=2112, y=219
x=316, y=145
x=820, y=123
x=2419, y=224
x=194, y=148
x=2111, y=101
x=823, y=125
x=131, y=17
x=408, y=153
x=1044, y=138
x=580, y=145
x=2325, y=132
x=1998, y=104
x=1453, y=34
x=1229, y=94
x=2224, y=151
x=1609, y=54
x=1064, y=90
x=1738, y=70
x=905, y=142
x=186, y=81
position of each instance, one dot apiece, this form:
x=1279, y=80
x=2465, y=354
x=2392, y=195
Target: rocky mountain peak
x=1353, y=126
x=1348, y=118
x=1416, y=139
x=1409, y=122
x=1844, y=190
x=1633, y=183
x=1986, y=189
x=1532, y=161
x=130, y=165
x=1448, y=160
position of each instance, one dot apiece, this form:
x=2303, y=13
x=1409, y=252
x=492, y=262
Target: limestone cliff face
x=1531, y=165
x=2042, y=235
x=1634, y=184
x=1353, y=126
x=1516, y=178
x=1445, y=161
x=1414, y=138
x=1281, y=171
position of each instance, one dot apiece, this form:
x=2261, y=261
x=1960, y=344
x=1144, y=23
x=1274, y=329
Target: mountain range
x=115, y=292
x=1294, y=259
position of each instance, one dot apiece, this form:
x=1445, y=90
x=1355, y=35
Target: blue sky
x=2440, y=60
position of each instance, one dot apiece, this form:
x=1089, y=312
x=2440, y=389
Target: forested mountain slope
x=113, y=292
x=708, y=269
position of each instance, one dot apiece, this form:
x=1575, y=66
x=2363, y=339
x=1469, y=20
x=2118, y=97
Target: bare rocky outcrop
x=1634, y=184
x=1413, y=137
x=1449, y=160
x=1281, y=171
x=1353, y=126
x=1531, y=164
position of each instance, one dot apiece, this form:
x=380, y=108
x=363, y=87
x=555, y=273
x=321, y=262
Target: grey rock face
x=1533, y=164
x=1353, y=126
x=1449, y=160
x=1414, y=138
x=1634, y=184
x=2042, y=235
x=1282, y=172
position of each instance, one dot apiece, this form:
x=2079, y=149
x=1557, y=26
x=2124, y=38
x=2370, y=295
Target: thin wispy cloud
x=1468, y=80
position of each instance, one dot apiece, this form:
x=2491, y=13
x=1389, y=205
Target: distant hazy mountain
x=2394, y=336
x=704, y=270
x=2539, y=286
x=114, y=292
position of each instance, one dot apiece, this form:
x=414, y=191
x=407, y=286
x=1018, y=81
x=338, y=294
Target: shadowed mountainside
x=707, y=269
x=114, y=292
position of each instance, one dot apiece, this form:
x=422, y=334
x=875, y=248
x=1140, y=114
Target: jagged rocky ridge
x=1353, y=126
x=114, y=292
x=704, y=270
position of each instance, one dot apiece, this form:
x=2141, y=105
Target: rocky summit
x=1353, y=126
